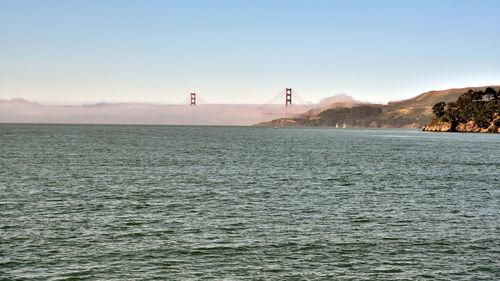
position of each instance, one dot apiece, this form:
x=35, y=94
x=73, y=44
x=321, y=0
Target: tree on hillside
x=451, y=112
x=477, y=96
x=470, y=106
x=490, y=93
x=465, y=106
x=438, y=109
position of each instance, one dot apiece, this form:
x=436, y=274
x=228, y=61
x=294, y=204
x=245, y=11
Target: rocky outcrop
x=469, y=127
x=438, y=127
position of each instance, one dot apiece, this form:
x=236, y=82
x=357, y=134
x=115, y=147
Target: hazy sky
x=73, y=52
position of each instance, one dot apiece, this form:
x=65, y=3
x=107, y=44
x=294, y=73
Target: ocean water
x=90, y=202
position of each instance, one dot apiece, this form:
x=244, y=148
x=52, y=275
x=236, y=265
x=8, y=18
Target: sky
x=243, y=52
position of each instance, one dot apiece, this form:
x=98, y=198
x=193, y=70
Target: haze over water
x=175, y=203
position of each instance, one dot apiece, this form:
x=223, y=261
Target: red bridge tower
x=288, y=96
x=193, y=99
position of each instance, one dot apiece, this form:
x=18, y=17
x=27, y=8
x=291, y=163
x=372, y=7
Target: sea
x=113, y=202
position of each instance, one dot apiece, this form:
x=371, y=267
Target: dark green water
x=177, y=203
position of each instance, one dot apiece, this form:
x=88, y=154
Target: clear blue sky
x=72, y=52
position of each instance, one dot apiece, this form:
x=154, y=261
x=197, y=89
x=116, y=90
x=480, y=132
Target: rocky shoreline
x=469, y=127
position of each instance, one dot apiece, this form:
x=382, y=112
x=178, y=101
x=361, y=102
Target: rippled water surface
x=176, y=203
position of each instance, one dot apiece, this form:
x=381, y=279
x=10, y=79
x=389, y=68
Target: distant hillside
x=410, y=113
x=428, y=99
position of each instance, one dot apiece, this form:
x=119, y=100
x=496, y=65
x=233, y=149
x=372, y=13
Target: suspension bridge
x=286, y=97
